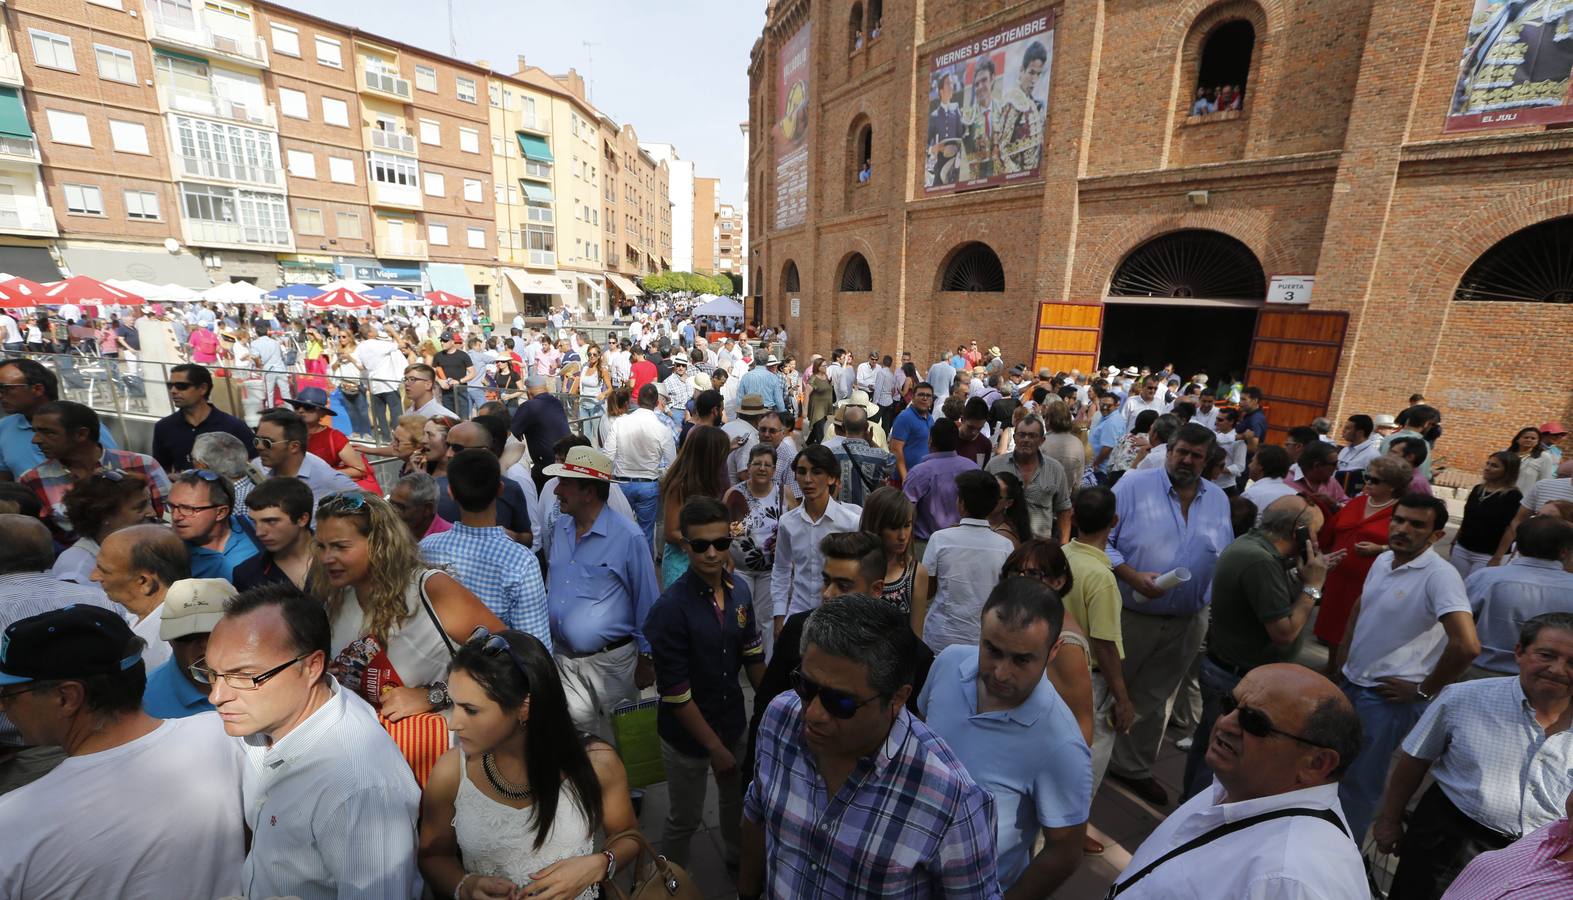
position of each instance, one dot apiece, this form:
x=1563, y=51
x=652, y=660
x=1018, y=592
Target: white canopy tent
x=720, y=306
x=240, y=292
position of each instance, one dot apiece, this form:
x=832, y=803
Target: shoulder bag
x=667, y=880
x=1201, y=840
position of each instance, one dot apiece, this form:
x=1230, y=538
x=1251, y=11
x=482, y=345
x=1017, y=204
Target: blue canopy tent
x=294, y=292
x=394, y=296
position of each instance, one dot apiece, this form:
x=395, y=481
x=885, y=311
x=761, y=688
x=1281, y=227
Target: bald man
x=1285, y=737
x=135, y=568
x=513, y=504
x=27, y=589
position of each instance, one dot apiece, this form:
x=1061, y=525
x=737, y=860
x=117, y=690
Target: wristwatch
x=1315, y=593
x=437, y=695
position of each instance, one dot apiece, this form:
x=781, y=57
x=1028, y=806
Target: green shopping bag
x=633, y=725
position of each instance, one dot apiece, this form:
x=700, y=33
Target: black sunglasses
x=1255, y=722
x=839, y=704
x=493, y=644
x=700, y=545
x=180, y=385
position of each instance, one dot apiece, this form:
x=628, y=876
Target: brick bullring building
x=1132, y=182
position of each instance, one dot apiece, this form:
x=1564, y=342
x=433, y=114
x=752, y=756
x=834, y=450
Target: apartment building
x=637, y=214
x=680, y=174
x=26, y=219
x=728, y=240
x=706, y=201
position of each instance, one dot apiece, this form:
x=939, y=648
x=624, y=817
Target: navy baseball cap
x=76, y=641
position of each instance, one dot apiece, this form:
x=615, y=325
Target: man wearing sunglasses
x=25, y=386
x=329, y=799
x=1270, y=824
x=701, y=632
x=161, y=793
x=281, y=442
x=190, y=387
x=844, y=733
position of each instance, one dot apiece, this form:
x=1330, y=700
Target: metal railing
x=41, y=219
x=393, y=140
x=261, y=114
x=251, y=48
x=10, y=68
x=17, y=147
x=386, y=83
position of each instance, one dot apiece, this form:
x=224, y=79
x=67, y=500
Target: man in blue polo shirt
x=1017, y=738
x=909, y=436
x=191, y=608
x=26, y=385
x=201, y=509
x=701, y=632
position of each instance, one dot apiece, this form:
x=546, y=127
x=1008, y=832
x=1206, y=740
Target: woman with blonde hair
x=592, y=387
x=395, y=621
x=698, y=471
x=888, y=515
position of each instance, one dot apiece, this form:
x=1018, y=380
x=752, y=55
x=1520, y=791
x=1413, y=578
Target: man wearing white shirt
x=887, y=389
x=1206, y=411
x=330, y=801
x=1269, y=826
x=1233, y=447
x=10, y=335
x=963, y=563
x=1410, y=634
x=641, y=446
x=796, y=579
x=864, y=379
x=139, y=808
x=1143, y=399
x=1268, y=470
x=384, y=365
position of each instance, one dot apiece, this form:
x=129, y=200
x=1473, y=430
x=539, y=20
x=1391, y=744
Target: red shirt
x=640, y=374
x=328, y=444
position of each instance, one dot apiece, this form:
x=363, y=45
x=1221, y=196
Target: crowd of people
x=268, y=658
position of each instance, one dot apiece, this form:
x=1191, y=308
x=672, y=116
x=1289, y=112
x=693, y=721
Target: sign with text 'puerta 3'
x=988, y=102
x=791, y=131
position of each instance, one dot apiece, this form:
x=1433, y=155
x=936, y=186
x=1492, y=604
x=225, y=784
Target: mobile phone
x=1302, y=539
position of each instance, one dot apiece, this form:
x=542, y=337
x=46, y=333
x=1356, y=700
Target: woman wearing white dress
x=514, y=809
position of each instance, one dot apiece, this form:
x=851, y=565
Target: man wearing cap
x=540, y=422
x=744, y=432
x=135, y=568
x=765, y=381
x=191, y=609
x=454, y=369
x=139, y=808
x=677, y=390
x=330, y=801
x=281, y=444
x=601, y=586
x=1552, y=434
x=190, y=386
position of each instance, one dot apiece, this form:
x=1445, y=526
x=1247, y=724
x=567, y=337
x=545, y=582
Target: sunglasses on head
x=1255, y=722
x=839, y=704
x=343, y=501
x=700, y=545
x=493, y=644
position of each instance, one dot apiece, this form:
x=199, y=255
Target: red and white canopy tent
x=443, y=298
x=21, y=293
x=84, y=290
x=342, y=299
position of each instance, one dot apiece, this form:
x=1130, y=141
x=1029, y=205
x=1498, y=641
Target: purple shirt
x=931, y=486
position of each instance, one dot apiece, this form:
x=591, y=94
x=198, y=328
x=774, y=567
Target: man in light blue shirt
x=1019, y=741
x=601, y=586
x=1533, y=582
x=1169, y=518
x=1107, y=432
x=25, y=385
x=764, y=381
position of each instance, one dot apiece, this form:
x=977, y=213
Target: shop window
x=855, y=275
x=974, y=268
x=1225, y=67
x=1534, y=265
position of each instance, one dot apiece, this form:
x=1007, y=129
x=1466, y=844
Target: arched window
x=789, y=279
x=855, y=275
x=1192, y=263
x=973, y=267
x=876, y=15
x=1534, y=265
x=1226, y=63
x=862, y=152
x=855, y=36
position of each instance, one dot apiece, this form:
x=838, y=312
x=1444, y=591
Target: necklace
x=1487, y=495
x=1369, y=505
x=502, y=785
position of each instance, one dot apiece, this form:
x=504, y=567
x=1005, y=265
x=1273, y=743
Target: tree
x=722, y=285
x=658, y=283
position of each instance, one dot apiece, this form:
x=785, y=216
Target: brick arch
x=855, y=245
x=1195, y=18
x=1447, y=262
x=1250, y=227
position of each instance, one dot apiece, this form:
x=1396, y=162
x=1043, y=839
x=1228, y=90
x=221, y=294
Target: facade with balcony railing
x=10, y=68
x=216, y=216
x=211, y=27
x=225, y=152
x=397, y=141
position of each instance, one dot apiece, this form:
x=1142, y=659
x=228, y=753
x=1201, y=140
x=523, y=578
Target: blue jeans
x=590, y=410
x=477, y=396
x=645, y=498
x=1215, y=684
x=1384, y=726
x=355, y=405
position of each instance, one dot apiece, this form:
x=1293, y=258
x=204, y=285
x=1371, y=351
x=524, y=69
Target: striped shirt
x=29, y=594
x=1526, y=870
x=332, y=808
x=51, y=481
x=907, y=823
x=498, y=570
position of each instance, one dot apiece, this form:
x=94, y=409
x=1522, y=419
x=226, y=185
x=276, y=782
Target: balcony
x=397, y=141
x=261, y=115
x=249, y=51
x=14, y=148
x=401, y=196
x=10, y=69
x=385, y=84
x=221, y=170
x=390, y=247
x=540, y=123
x=39, y=222
x=208, y=233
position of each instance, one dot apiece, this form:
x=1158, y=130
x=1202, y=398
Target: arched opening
x=1532, y=265
x=973, y=268
x=855, y=275
x=855, y=36
x=789, y=280
x=1189, y=298
x=876, y=15
x=1225, y=67
x=862, y=152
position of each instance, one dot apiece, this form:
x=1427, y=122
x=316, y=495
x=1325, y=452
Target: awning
x=595, y=287
x=536, y=193
x=628, y=288
x=13, y=116
x=534, y=147
x=155, y=266
x=451, y=278
x=32, y=263
x=531, y=283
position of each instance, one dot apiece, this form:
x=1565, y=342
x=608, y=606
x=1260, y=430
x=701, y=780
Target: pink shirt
x=438, y=526
x=204, y=345
x=546, y=361
x=1527, y=869
x=1419, y=485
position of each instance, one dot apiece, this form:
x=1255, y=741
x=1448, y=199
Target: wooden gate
x=1068, y=336
x=1294, y=359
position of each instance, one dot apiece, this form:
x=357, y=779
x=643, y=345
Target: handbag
x=667, y=880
